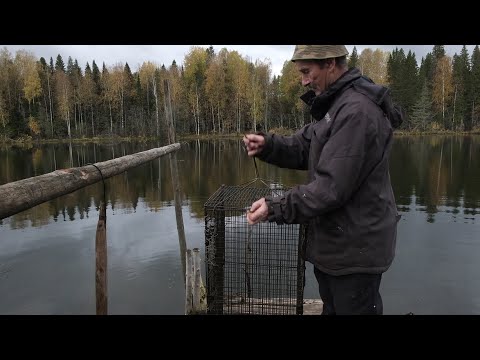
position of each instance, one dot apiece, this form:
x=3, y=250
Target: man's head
x=320, y=65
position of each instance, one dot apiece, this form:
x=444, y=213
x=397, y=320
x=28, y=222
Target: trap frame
x=251, y=269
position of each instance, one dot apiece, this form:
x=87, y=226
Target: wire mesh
x=251, y=269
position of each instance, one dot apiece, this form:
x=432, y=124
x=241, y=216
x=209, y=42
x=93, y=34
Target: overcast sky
x=135, y=55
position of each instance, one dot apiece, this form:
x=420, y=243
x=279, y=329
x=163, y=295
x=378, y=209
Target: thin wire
x=104, y=187
x=254, y=161
x=256, y=169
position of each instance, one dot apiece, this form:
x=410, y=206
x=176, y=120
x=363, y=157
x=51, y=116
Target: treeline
x=218, y=93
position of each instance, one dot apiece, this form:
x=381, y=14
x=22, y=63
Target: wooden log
x=27, y=193
x=101, y=263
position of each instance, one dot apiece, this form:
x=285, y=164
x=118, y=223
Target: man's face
x=313, y=76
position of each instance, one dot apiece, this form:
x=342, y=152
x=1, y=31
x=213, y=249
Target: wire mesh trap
x=251, y=269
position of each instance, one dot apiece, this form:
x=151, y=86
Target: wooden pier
x=312, y=306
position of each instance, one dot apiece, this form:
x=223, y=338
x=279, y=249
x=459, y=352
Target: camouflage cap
x=311, y=52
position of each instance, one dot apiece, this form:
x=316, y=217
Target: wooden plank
x=282, y=306
x=312, y=307
x=27, y=193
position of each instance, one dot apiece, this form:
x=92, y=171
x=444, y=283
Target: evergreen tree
x=461, y=79
x=52, y=67
x=475, y=86
x=70, y=67
x=421, y=113
x=96, y=77
x=409, y=82
x=353, y=59
x=438, y=51
x=467, y=86
x=43, y=63
x=59, y=65
x=395, y=64
x=88, y=70
x=210, y=54
x=77, y=68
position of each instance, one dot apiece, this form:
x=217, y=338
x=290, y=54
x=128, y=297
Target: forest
x=217, y=94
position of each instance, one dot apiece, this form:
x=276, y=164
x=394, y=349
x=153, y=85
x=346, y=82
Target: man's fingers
x=256, y=205
x=253, y=218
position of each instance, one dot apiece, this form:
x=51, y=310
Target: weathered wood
x=101, y=263
x=27, y=193
x=272, y=306
x=177, y=193
x=188, y=282
x=195, y=292
x=199, y=291
x=312, y=307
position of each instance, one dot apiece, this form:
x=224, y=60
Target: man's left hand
x=258, y=212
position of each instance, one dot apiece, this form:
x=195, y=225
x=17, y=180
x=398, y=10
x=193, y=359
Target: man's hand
x=258, y=212
x=254, y=143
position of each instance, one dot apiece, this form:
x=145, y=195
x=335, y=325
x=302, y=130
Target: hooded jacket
x=348, y=202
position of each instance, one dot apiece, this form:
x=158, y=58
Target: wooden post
x=188, y=283
x=177, y=193
x=101, y=263
x=27, y=193
x=199, y=291
x=195, y=293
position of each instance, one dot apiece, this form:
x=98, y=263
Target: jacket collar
x=321, y=103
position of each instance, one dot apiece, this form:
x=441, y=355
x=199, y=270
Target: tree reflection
x=430, y=173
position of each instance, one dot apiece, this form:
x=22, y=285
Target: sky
x=135, y=55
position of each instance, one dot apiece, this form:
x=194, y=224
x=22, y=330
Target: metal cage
x=251, y=269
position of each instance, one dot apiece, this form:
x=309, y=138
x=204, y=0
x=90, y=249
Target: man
x=348, y=202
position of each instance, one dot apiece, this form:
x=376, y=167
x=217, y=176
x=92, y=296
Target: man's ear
x=331, y=64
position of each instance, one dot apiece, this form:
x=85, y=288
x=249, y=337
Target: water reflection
x=436, y=181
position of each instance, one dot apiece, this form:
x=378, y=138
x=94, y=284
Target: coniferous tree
x=353, y=59
x=395, y=64
x=466, y=120
x=52, y=67
x=475, y=86
x=409, y=82
x=96, y=77
x=59, y=64
x=70, y=68
x=461, y=84
x=421, y=113
x=438, y=51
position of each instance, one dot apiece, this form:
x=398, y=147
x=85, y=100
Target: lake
x=47, y=253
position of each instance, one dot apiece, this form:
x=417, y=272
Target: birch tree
x=442, y=85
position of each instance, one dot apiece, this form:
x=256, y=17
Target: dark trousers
x=354, y=294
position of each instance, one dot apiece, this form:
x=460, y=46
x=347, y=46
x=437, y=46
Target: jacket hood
x=379, y=94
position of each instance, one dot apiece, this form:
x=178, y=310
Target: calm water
x=47, y=254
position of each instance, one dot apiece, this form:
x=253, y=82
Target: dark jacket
x=348, y=201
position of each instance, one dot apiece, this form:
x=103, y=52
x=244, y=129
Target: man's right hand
x=254, y=143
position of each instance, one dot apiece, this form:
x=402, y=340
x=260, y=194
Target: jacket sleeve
x=336, y=175
x=288, y=151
